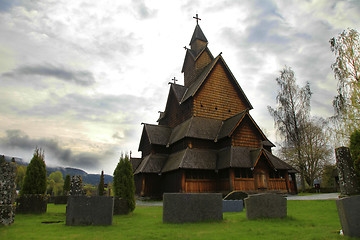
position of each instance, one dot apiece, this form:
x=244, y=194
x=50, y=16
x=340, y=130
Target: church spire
x=198, y=40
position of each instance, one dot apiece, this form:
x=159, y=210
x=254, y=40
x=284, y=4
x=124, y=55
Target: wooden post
x=231, y=178
x=183, y=184
x=143, y=185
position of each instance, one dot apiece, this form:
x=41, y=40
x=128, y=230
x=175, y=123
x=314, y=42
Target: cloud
x=78, y=77
x=54, y=153
x=142, y=10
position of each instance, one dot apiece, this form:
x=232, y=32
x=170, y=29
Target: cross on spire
x=197, y=18
x=175, y=80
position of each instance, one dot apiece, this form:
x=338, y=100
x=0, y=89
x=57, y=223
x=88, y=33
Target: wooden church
x=206, y=139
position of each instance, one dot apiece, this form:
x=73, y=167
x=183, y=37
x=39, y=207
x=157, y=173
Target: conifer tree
x=123, y=181
x=35, y=177
x=66, y=187
x=101, y=184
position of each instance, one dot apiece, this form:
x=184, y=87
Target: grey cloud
x=79, y=77
x=142, y=10
x=99, y=108
x=16, y=139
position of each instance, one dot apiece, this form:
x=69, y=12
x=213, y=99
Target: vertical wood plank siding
x=246, y=136
x=277, y=184
x=200, y=185
x=244, y=184
x=218, y=98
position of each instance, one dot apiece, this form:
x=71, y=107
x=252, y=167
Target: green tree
x=2, y=159
x=123, y=181
x=66, y=187
x=291, y=117
x=35, y=177
x=355, y=151
x=101, y=184
x=346, y=67
x=328, y=176
x=21, y=170
x=55, y=183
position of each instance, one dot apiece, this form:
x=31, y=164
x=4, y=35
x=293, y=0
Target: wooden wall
x=218, y=98
x=246, y=135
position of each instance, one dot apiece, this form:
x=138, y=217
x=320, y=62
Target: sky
x=77, y=78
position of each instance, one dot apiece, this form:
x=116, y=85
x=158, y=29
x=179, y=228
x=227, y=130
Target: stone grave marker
x=7, y=193
x=192, y=207
x=265, y=205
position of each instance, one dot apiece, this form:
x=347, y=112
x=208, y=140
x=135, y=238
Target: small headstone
x=233, y=205
x=7, y=193
x=95, y=210
x=349, y=214
x=192, y=207
x=347, y=176
x=265, y=205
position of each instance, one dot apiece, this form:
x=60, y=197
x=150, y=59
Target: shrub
x=35, y=176
x=355, y=151
x=123, y=181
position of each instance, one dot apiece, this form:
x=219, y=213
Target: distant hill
x=92, y=179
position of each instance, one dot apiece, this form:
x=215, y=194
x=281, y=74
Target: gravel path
x=322, y=196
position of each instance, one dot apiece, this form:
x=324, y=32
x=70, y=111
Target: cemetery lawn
x=306, y=220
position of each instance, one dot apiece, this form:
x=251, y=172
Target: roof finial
x=197, y=19
x=174, y=79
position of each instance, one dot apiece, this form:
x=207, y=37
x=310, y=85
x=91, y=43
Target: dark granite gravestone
x=192, y=207
x=83, y=210
x=265, y=205
x=7, y=192
x=121, y=206
x=347, y=176
x=349, y=214
x=233, y=205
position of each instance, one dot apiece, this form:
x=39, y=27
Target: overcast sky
x=77, y=78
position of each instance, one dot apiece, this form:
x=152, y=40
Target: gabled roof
x=195, y=86
x=178, y=90
x=196, y=127
x=191, y=159
x=194, y=55
x=198, y=34
x=152, y=163
x=156, y=134
x=135, y=162
x=230, y=124
x=244, y=157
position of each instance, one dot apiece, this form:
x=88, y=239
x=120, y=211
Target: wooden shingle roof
x=191, y=159
x=152, y=163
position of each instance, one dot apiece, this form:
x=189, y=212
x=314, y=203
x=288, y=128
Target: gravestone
x=347, y=176
x=192, y=207
x=265, y=205
x=348, y=207
x=121, y=206
x=94, y=210
x=7, y=193
x=233, y=205
x=349, y=214
x=76, y=187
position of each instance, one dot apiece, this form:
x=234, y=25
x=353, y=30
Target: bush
x=101, y=184
x=355, y=151
x=35, y=176
x=123, y=181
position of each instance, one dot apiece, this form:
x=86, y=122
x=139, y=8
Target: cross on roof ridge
x=197, y=18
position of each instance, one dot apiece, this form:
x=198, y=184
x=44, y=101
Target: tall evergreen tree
x=101, y=184
x=35, y=177
x=123, y=181
x=2, y=159
x=66, y=187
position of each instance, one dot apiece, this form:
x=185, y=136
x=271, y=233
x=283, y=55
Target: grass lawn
x=306, y=220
